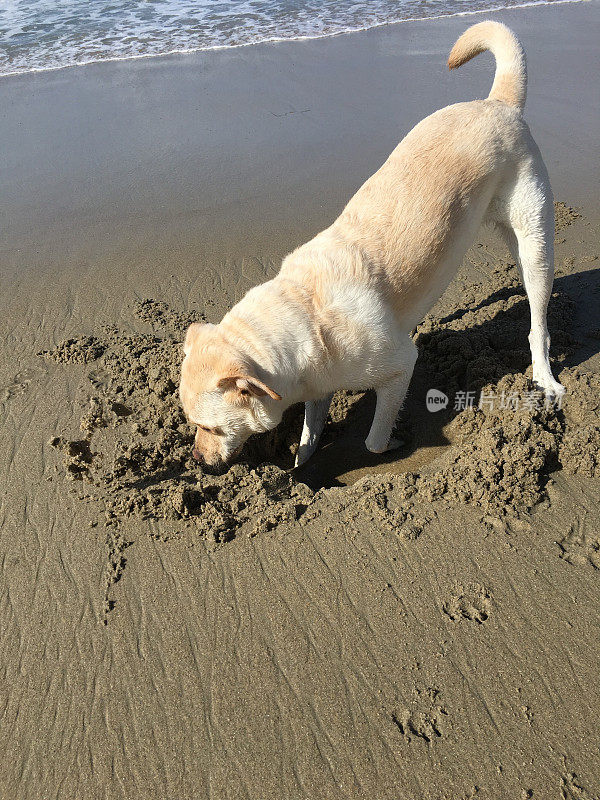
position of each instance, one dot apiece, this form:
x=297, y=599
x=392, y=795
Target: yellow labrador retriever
x=339, y=313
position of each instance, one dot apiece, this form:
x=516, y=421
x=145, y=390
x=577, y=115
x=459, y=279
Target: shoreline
x=281, y=39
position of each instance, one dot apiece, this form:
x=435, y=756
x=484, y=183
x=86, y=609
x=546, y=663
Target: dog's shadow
x=459, y=360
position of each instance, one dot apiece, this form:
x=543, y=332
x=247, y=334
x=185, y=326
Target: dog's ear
x=191, y=336
x=246, y=385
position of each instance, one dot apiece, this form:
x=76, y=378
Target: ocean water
x=51, y=34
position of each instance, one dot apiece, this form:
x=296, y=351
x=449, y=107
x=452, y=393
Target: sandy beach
x=419, y=626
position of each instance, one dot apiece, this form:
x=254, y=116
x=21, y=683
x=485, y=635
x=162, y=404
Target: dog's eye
x=245, y=392
x=214, y=431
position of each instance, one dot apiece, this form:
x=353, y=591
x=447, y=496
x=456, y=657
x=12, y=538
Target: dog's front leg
x=391, y=394
x=389, y=399
x=315, y=414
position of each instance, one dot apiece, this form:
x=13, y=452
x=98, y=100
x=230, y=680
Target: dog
x=340, y=312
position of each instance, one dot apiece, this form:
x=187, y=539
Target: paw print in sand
x=425, y=719
x=473, y=603
x=580, y=547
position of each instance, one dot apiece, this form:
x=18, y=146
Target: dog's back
x=408, y=227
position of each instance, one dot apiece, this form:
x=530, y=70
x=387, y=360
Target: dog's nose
x=197, y=454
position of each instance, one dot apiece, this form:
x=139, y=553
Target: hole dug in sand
x=136, y=452
x=141, y=465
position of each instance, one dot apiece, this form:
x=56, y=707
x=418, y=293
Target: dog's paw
x=301, y=458
x=394, y=444
x=374, y=447
x=553, y=390
x=305, y=451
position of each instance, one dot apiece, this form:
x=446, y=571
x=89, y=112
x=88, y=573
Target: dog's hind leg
x=315, y=415
x=531, y=215
x=390, y=396
x=511, y=242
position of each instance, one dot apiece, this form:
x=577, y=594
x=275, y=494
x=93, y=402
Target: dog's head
x=221, y=396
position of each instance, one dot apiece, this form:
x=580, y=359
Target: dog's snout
x=217, y=467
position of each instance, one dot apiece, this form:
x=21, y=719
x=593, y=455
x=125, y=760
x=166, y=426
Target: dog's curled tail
x=510, y=80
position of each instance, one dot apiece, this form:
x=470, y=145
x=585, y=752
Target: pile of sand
x=135, y=452
x=76, y=351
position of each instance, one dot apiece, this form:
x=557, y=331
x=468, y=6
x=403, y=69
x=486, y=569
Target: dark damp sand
x=387, y=644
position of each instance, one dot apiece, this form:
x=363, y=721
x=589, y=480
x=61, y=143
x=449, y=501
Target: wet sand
x=419, y=626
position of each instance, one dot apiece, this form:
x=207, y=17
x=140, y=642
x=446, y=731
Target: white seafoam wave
x=42, y=35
